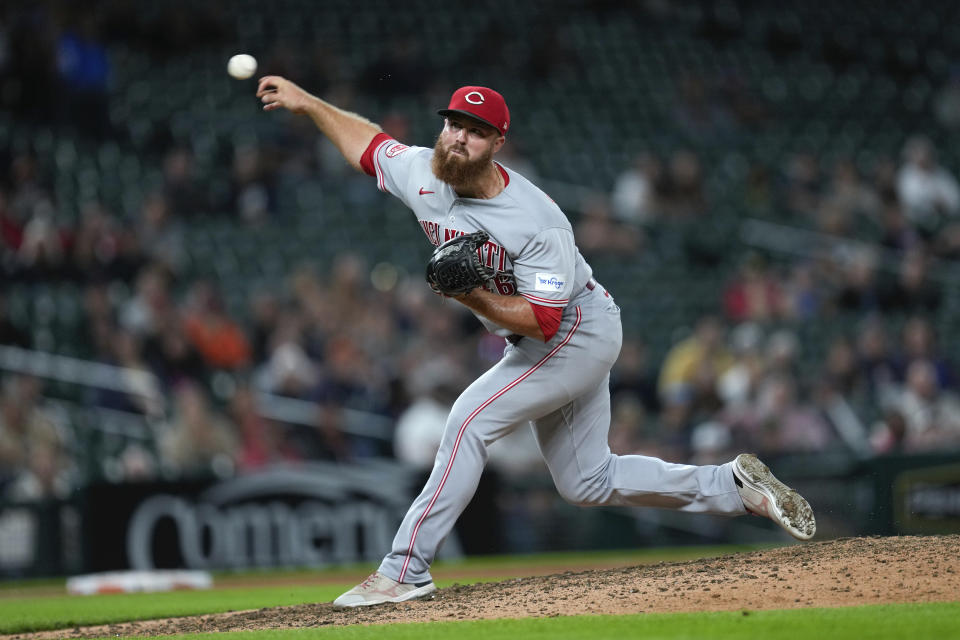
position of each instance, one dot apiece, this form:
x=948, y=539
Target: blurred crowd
x=875, y=266
x=740, y=379
x=736, y=382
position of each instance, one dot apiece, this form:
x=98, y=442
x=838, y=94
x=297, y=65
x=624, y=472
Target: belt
x=593, y=284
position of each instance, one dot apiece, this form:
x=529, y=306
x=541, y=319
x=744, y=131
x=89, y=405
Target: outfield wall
x=322, y=515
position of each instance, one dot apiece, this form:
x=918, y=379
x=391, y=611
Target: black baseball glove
x=455, y=268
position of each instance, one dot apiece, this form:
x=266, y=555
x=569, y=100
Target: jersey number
x=505, y=284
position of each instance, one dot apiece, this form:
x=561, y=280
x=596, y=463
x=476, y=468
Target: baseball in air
x=242, y=66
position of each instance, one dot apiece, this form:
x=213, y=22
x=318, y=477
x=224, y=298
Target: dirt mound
x=850, y=571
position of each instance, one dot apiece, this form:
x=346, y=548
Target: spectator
x=180, y=186
x=931, y=414
x=919, y=342
x=135, y=463
x=262, y=441
x=695, y=360
x=858, y=289
x=160, y=235
x=884, y=180
x=11, y=233
x=264, y=313
x=675, y=423
x=288, y=370
x=849, y=197
x=25, y=427
x=254, y=197
x=97, y=244
x=42, y=252
x=781, y=423
x=875, y=359
x=84, y=68
x=143, y=393
x=48, y=473
x=929, y=193
x=348, y=289
x=889, y=433
x=198, y=440
x=433, y=386
x=598, y=233
x=681, y=194
x=29, y=190
x=628, y=425
x=782, y=353
x=946, y=103
x=896, y=232
x=219, y=340
x=913, y=291
x=511, y=155
x=803, y=296
x=736, y=386
x=840, y=371
x=755, y=294
x=632, y=376
x=351, y=378
x=151, y=307
x=711, y=443
x=634, y=190
x=173, y=358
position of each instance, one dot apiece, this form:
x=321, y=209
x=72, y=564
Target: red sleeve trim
x=366, y=160
x=548, y=318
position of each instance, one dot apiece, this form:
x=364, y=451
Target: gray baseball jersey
x=560, y=387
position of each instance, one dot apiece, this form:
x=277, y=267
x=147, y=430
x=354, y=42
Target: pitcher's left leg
x=574, y=444
x=514, y=391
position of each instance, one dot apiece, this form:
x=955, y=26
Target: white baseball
x=242, y=66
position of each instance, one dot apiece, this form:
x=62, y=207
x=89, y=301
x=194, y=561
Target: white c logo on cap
x=478, y=100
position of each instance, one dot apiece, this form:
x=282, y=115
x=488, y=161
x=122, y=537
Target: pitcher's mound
x=850, y=571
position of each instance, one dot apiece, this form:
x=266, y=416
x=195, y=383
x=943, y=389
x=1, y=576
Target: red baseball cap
x=480, y=103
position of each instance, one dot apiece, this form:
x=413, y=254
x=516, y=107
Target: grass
x=876, y=622
x=19, y=615
x=30, y=606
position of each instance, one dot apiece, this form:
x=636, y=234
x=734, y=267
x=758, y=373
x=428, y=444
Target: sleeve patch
x=549, y=282
x=395, y=150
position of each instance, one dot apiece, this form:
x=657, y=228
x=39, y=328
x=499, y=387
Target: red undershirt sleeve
x=548, y=318
x=366, y=160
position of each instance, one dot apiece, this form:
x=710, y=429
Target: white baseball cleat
x=764, y=495
x=378, y=588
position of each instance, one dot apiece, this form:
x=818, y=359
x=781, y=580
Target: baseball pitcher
x=506, y=251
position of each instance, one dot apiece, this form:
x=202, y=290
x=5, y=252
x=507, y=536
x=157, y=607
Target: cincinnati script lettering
x=492, y=254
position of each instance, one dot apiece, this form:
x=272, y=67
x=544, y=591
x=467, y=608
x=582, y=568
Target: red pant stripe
x=456, y=445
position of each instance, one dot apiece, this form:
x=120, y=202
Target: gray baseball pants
x=561, y=389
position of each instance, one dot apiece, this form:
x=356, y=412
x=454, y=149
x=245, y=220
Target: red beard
x=458, y=170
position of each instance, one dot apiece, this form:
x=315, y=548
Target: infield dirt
x=844, y=572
